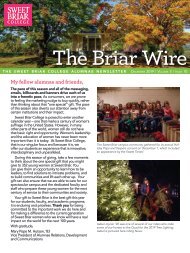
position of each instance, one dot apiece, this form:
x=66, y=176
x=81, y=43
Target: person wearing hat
x=145, y=190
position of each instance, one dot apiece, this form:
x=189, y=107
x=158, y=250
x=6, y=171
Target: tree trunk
x=42, y=53
x=43, y=46
x=162, y=47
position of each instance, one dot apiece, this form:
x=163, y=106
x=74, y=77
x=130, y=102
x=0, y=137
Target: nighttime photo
x=138, y=190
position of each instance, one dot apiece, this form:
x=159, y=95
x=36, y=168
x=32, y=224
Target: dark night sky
x=157, y=171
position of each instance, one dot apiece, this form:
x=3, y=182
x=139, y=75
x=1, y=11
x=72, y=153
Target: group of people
x=134, y=117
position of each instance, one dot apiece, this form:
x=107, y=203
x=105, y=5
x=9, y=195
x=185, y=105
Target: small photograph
x=138, y=114
x=140, y=190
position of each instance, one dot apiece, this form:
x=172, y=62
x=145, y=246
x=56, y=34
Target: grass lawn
x=18, y=61
x=23, y=61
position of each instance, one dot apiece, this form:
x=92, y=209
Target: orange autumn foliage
x=159, y=22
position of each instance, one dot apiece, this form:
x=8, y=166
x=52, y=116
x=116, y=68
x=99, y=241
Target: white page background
x=153, y=240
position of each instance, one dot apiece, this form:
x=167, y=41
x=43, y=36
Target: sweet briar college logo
x=17, y=14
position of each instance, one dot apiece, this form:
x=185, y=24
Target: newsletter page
x=94, y=126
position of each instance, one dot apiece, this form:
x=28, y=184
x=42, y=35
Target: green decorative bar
x=94, y=71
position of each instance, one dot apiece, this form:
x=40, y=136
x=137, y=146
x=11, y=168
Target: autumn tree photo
x=157, y=23
x=53, y=22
